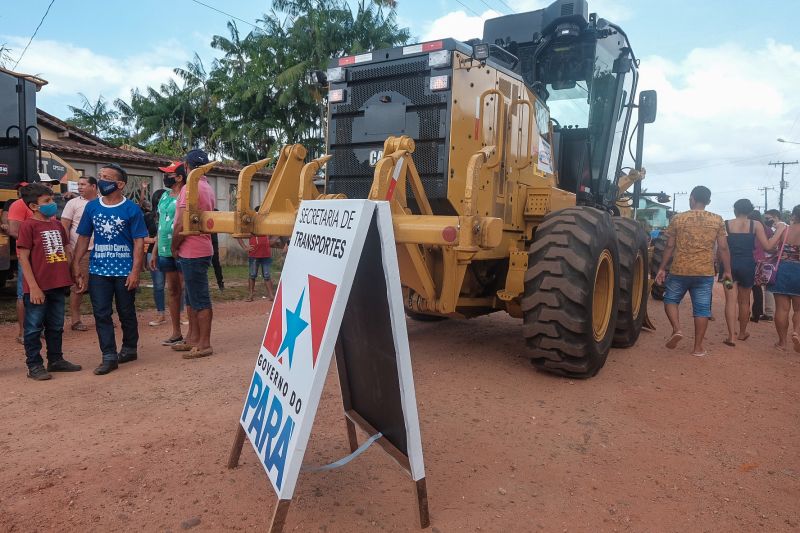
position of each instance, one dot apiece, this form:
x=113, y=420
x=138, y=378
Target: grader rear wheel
x=633, y=291
x=572, y=292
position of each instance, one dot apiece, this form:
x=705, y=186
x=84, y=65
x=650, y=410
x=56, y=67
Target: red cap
x=171, y=169
x=22, y=184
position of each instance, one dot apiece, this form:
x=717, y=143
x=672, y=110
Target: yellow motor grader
x=502, y=159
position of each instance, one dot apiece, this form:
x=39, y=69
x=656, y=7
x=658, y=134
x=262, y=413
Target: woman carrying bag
x=786, y=286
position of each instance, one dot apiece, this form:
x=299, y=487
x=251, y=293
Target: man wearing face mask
x=194, y=254
x=162, y=258
x=118, y=227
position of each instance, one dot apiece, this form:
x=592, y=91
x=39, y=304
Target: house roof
x=81, y=144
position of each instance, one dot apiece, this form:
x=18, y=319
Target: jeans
x=159, y=279
x=102, y=290
x=195, y=281
x=50, y=316
x=699, y=288
x=256, y=263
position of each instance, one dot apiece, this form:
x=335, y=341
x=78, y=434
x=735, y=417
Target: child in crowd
x=42, y=252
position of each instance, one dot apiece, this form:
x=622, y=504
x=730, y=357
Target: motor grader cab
x=502, y=161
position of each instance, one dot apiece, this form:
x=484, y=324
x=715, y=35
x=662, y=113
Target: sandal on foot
x=182, y=347
x=196, y=353
x=704, y=353
x=728, y=343
x=79, y=326
x=746, y=336
x=673, y=341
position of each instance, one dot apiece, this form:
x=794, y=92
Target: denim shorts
x=254, y=263
x=167, y=264
x=699, y=288
x=195, y=281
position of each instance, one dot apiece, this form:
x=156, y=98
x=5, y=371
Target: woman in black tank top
x=742, y=236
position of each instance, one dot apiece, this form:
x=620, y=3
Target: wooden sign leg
x=352, y=438
x=422, y=504
x=279, y=516
x=236, y=450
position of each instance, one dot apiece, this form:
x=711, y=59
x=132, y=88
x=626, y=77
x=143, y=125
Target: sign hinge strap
x=346, y=459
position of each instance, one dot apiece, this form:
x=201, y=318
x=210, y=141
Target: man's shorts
x=195, y=281
x=255, y=263
x=167, y=264
x=699, y=288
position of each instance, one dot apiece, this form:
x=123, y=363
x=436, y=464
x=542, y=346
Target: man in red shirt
x=259, y=255
x=44, y=261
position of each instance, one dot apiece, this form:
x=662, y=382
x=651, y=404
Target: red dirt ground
x=659, y=441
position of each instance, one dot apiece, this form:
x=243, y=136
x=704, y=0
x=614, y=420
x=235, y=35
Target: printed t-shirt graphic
x=114, y=228
x=47, y=242
x=166, y=222
x=695, y=233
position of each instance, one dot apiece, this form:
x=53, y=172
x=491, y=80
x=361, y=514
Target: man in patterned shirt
x=691, y=237
x=119, y=231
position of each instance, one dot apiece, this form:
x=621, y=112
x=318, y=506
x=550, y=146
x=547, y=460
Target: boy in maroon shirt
x=42, y=254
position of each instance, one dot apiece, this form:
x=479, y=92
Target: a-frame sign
x=339, y=293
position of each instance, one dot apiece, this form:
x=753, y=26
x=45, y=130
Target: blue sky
x=727, y=72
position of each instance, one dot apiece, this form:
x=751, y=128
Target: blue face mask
x=106, y=187
x=48, y=210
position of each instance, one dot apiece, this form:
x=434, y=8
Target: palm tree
x=95, y=117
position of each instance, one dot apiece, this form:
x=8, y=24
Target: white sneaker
x=158, y=321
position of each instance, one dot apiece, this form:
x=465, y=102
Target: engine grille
x=426, y=121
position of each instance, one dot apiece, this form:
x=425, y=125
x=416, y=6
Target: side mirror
x=648, y=105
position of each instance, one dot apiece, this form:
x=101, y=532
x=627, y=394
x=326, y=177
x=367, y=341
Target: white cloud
x=458, y=25
x=72, y=69
x=720, y=111
x=614, y=10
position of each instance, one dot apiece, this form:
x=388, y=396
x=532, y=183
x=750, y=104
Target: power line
x=487, y=5
x=508, y=6
x=224, y=13
x=34, y=34
x=702, y=167
x=468, y=8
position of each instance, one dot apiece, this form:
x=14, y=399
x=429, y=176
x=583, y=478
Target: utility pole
x=673, y=198
x=783, y=182
x=765, y=189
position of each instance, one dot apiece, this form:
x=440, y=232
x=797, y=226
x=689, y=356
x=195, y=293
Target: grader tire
x=572, y=292
x=657, y=292
x=633, y=268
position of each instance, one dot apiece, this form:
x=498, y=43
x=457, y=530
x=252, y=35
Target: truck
x=21, y=156
x=502, y=159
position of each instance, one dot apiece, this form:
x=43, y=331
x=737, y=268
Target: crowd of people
x=99, y=245
x=751, y=255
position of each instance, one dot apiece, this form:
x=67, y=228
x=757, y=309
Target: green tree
x=98, y=118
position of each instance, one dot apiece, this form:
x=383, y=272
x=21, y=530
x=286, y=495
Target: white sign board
x=302, y=331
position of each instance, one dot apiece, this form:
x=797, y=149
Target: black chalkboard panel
x=366, y=354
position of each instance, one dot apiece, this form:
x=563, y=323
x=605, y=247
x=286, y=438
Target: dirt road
x=659, y=441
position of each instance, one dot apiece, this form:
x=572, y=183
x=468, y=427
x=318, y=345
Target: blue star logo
x=294, y=327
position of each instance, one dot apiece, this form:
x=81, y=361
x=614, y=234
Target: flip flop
x=796, y=342
x=728, y=343
x=704, y=353
x=197, y=354
x=746, y=336
x=183, y=347
x=673, y=341
x=779, y=347
x=248, y=299
x=79, y=326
